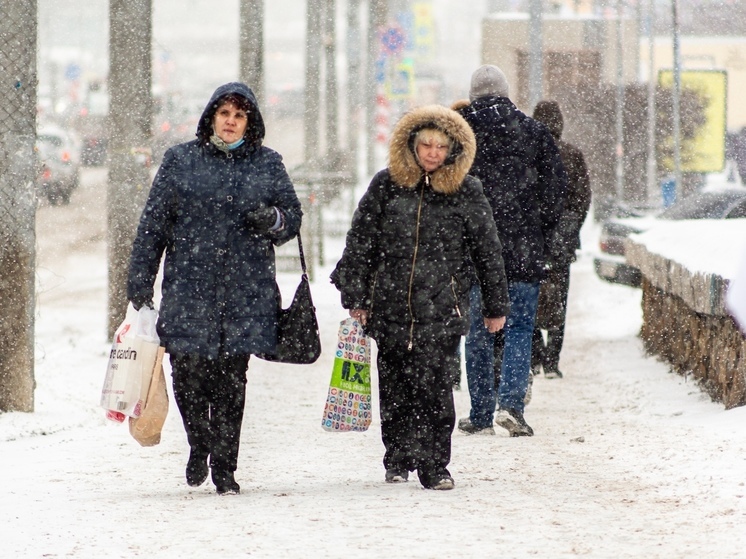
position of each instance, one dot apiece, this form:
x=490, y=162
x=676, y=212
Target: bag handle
x=302, y=255
x=155, y=378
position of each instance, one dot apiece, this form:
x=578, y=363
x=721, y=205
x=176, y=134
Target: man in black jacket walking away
x=524, y=180
x=552, y=309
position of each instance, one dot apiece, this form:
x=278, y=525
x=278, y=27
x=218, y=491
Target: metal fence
x=17, y=203
x=316, y=185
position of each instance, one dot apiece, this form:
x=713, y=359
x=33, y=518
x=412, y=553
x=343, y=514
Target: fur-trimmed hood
x=460, y=104
x=403, y=166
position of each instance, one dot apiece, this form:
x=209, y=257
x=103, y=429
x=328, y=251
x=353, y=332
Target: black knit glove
x=261, y=219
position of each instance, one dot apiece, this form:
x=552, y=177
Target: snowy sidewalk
x=628, y=460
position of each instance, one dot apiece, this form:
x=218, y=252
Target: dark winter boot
x=552, y=373
x=224, y=482
x=445, y=483
x=465, y=425
x=513, y=421
x=397, y=475
x=197, y=468
x=440, y=480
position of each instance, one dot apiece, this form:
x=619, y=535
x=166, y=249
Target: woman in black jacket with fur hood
x=420, y=232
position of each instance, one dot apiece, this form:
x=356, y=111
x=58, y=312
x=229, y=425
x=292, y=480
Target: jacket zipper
x=414, y=262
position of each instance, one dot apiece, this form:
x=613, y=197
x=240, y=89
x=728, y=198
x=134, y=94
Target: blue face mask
x=222, y=146
x=235, y=144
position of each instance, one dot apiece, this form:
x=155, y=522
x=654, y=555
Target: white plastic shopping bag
x=131, y=362
x=348, y=403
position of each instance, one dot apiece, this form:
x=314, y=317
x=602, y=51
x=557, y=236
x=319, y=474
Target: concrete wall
x=685, y=321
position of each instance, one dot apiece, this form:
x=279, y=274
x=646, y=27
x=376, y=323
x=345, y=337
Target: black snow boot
x=224, y=482
x=197, y=468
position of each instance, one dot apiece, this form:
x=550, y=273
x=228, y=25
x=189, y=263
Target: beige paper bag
x=146, y=429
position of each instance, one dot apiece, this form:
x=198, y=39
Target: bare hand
x=494, y=324
x=360, y=315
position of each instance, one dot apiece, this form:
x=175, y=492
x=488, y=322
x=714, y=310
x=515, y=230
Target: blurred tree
x=130, y=136
x=251, y=46
x=17, y=204
x=590, y=124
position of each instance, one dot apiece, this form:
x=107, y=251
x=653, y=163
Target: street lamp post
x=676, y=97
x=619, y=102
x=536, y=62
x=653, y=191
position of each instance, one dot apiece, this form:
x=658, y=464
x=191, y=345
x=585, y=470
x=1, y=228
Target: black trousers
x=210, y=394
x=416, y=400
x=551, y=316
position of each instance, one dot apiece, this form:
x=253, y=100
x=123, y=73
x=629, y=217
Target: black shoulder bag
x=298, y=340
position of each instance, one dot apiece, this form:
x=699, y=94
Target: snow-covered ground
x=628, y=460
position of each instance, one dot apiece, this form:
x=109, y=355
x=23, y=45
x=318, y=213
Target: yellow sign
x=424, y=29
x=706, y=152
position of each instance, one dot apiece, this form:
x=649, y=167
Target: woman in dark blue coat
x=217, y=207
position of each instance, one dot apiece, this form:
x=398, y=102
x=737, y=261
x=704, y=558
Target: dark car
x=59, y=159
x=712, y=204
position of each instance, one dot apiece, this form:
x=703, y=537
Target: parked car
x=729, y=203
x=95, y=140
x=59, y=158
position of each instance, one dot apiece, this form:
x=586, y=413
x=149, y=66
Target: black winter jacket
x=566, y=238
x=577, y=203
x=524, y=180
x=406, y=259
x=219, y=291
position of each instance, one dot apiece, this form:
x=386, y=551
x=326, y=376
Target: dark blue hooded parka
x=219, y=293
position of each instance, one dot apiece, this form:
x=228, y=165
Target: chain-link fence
x=17, y=203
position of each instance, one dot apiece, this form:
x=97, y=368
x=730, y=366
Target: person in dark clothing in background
x=217, y=207
x=524, y=180
x=420, y=234
x=738, y=152
x=552, y=308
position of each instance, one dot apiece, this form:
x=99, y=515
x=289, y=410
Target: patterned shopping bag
x=348, y=403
